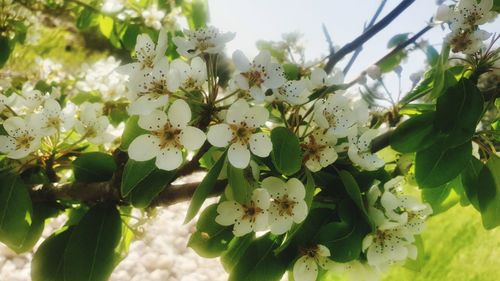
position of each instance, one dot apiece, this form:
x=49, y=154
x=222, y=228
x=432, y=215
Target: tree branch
x=381, y=141
x=334, y=58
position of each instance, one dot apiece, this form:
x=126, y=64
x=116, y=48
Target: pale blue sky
x=269, y=19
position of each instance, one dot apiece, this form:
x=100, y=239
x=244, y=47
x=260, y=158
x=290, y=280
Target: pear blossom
x=91, y=124
x=293, y=92
x=153, y=90
x=193, y=75
x=52, y=119
x=467, y=41
x=3, y=102
x=248, y=217
x=335, y=114
x=22, y=139
x=259, y=75
x=386, y=246
x=50, y=71
x=288, y=205
x=112, y=6
x=148, y=55
x=153, y=17
x=240, y=133
x=319, y=150
x=169, y=134
x=320, y=79
x=306, y=267
x=33, y=98
x=208, y=40
x=102, y=77
x=469, y=13
x=359, y=150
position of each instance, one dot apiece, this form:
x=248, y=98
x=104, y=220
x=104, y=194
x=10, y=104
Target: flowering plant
x=309, y=177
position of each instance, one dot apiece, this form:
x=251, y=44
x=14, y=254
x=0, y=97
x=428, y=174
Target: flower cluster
x=464, y=19
x=398, y=218
x=276, y=205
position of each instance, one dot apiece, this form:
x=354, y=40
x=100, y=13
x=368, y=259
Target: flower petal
x=169, y=159
x=229, y=213
x=241, y=61
x=242, y=227
x=192, y=138
x=238, y=155
x=305, y=269
x=219, y=135
x=295, y=189
x=300, y=212
x=237, y=111
x=14, y=126
x=260, y=144
x=153, y=121
x=256, y=116
x=275, y=186
x=144, y=147
x=179, y=114
x=7, y=144
x=261, y=198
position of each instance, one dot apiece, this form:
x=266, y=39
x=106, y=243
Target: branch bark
x=334, y=58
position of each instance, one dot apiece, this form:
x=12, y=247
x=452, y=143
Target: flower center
x=285, y=205
x=255, y=76
x=241, y=133
x=54, y=122
x=251, y=211
x=312, y=149
x=24, y=141
x=169, y=136
x=461, y=42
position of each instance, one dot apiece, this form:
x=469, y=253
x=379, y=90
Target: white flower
x=334, y=113
x=23, y=137
x=206, y=40
x=468, y=13
x=252, y=216
x=288, y=205
x=112, y=6
x=92, y=125
x=386, y=246
x=192, y=76
x=148, y=55
x=50, y=71
x=306, y=267
x=153, y=89
x=443, y=13
x=294, y=92
x=3, y=102
x=153, y=17
x=320, y=79
x=359, y=150
x=102, y=77
x=32, y=98
x=319, y=150
x=240, y=131
x=52, y=119
x=169, y=135
x=259, y=75
x=466, y=41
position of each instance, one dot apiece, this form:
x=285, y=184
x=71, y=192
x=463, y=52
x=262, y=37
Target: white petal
x=241, y=61
x=275, y=186
x=14, y=126
x=241, y=82
x=144, y=147
x=144, y=47
x=7, y=144
x=173, y=80
x=19, y=153
x=295, y=189
x=169, y=159
x=261, y=198
x=256, y=116
x=305, y=269
x=229, y=213
x=239, y=155
x=327, y=156
x=280, y=224
x=260, y=144
x=323, y=251
x=192, y=138
x=261, y=221
x=179, y=114
x=300, y=212
x=313, y=165
x=276, y=76
x=219, y=135
x=153, y=121
x=237, y=111
x=147, y=103
x=242, y=227
x=257, y=94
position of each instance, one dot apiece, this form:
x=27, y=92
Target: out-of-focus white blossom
x=207, y=40
x=153, y=17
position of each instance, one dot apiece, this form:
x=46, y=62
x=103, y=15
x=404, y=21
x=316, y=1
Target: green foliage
x=142, y=181
x=196, y=12
x=131, y=131
x=488, y=192
x=16, y=211
x=210, y=239
x=415, y=134
x=292, y=71
x=397, y=39
x=94, y=167
x=203, y=190
x=443, y=197
x=286, y=153
x=239, y=184
x=352, y=188
x=470, y=180
x=439, y=81
x=4, y=50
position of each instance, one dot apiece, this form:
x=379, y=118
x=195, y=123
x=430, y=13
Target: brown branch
x=381, y=141
x=334, y=58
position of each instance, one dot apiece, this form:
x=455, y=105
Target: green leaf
x=89, y=254
x=239, y=184
x=259, y=263
x=4, y=50
x=458, y=111
x=439, y=164
x=470, y=180
x=47, y=263
x=196, y=13
x=237, y=247
x=106, y=25
x=352, y=188
x=390, y=62
x=142, y=181
x=16, y=210
x=397, y=39
x=432, y=55
x=131, y=131
x=286, y=153
x=203, y=190
x=292, y=71
x=496, y=6
x=94, y=167
x=86, y=19
x=210, y=238
x=130, y=36
x=439, y=72
x=443, y=197
x=488, y=192
x=414, y=134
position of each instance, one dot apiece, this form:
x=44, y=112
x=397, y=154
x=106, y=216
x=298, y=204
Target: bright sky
x=269, y=19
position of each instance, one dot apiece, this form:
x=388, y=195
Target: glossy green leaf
x=239, y=184
x=142, y=181
x=90, y=251
x=439, y=164
x=210, y=238
x=131, y=131
x=432, y=55
x=47, y=263
x=16, y=211
x=292, y=71
x=443, y=197
x=458, y=111
x=235, y=250
x=470, y=180
x=414, y=134
x=352, y=188
x=4, y=50
x=259, y=263
x=438, y=74
x=390, y=62
x=106, y=26
x=130, y=36
x=94, y=167
x=286, y=153
x=488, y=192
x=203, y=190
x=397, y=39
